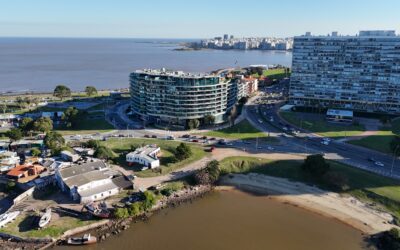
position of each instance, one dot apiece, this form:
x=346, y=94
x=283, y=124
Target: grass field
x=25, y=226
x=322, y=127
x=87, y=126
x=380, y=141
x=364, y=185
x=273, y=74
x=122, y=146
x=242, y=131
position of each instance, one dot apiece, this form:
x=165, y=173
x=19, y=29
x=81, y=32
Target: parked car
x=379, y=164
x=153, y=136
x=186, y=136
x=146, y=136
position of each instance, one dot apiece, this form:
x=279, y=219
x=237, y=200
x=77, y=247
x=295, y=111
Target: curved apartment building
x=175, y=97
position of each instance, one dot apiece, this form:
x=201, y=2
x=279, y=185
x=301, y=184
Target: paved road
x=311, y=143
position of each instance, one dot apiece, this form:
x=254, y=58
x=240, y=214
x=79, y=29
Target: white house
x=68, y=156
x=146, y=156
x=89, y=182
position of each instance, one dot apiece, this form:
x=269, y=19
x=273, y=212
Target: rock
x=103, y=237
x=108, y=235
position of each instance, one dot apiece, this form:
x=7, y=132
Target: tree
x=389, y=240
x=3, y=107
x=26, y=125
x=71, y=117
x=42, y=124
x=193, y=124
x=232, y=115
x=149, y=201
x=135, y=209
x=102, y=152
x=395, y=145
x=90, y=91
x=36, y=152
x=182, y=151
x=337, y=180
x=209, y=119
x=14, y=134
x=93, y=144
x=209, y=175
x=62, y=91
x=315, y=165
x=54, y=141
x=243, y=100
x=121, y=213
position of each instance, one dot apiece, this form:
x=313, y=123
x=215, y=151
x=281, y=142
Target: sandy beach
x=346, y=209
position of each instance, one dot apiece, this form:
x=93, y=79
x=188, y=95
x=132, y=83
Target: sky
x=193, y=19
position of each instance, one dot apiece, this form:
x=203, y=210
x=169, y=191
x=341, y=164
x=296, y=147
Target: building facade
x=360, y=73
x=175, y=97
x=146, y=156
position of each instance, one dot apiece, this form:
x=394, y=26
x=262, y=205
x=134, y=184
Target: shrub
x=209, y=174
x=182, y=152
x=135, y=209
x=315, y=165
x=337, y=180
x=121, y=213
x=149, y=200
x=35, y=152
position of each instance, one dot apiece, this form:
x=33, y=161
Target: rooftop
x=82, y=169
x=148, y=152
x=338, y=112
x=167, y=72
x=361, y=34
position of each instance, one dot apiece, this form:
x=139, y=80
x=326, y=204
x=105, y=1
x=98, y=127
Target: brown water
x=235, y=220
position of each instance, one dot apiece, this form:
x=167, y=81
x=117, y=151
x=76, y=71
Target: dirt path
x=346, y=209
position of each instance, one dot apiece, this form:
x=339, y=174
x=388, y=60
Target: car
x=270, y=148
x=371, y=159
x=260, y=121
x=146, y=136
x=229, y=144
x=222, y=142
x=195, y=140
x=285, y=128
x=186, y=136
x=170, y=137
x=259, y=147
x=212, y=139
x=204, y=137
x=153, y=136
x=325, y=142
x=380, y=164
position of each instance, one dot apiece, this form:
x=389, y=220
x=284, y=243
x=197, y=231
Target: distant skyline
x=194, y=19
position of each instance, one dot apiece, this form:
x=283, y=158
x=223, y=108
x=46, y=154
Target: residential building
x=69, y=156
x=26, y=144
x=25, y=173
x=89, y=182
x=175, y=97
x=146, y=156
x=360, y=73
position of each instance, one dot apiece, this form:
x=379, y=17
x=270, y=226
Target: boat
x=87, y=239
x=45, y=219
x=98, y=210
x=8, y=217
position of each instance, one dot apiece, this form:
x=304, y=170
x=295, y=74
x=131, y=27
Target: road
x=311, y=143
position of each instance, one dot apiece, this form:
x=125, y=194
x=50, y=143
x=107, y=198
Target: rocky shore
x=115, y=227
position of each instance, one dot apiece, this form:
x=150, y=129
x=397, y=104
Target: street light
x=394, y=159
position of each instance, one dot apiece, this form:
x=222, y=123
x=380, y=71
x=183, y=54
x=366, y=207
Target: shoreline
x=344, y=209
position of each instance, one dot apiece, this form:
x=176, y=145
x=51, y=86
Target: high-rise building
x=360, y=73
x=174, y=97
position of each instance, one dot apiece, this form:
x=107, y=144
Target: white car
x=325, y=142
x=270, y=148
x=380, y=164
x=260, y=121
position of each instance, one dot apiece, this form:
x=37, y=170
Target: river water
x=230, y=220
x=39, y=64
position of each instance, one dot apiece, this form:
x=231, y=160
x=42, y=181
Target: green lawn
x=322, y=127
x=364, y=185
x=273, y=74
x=381, y=141
x=87, y=126
x=243, y=131
x=26, y=226
x=122, y=146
